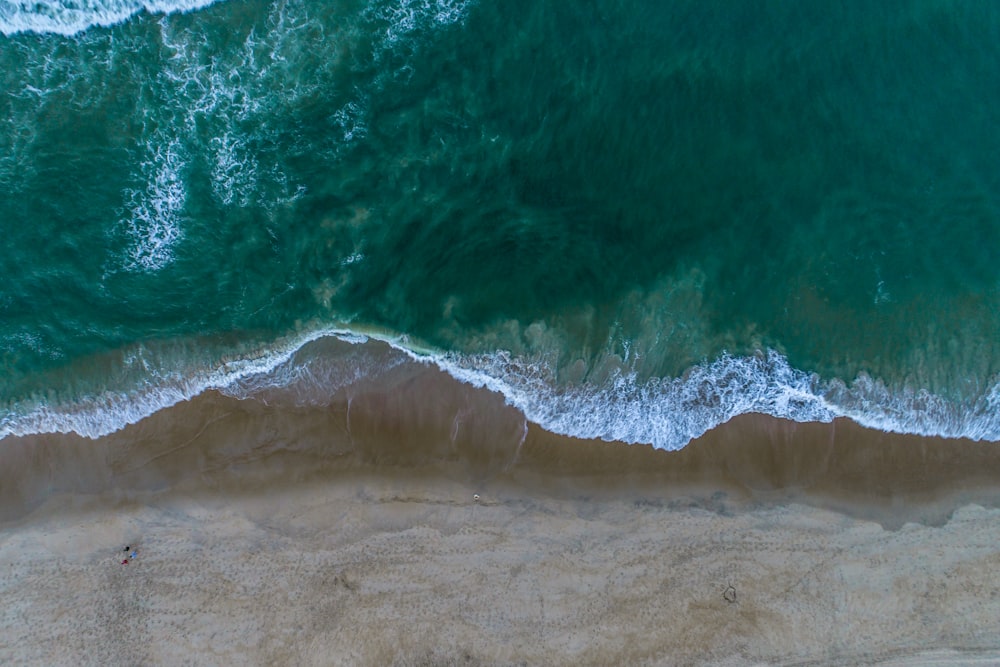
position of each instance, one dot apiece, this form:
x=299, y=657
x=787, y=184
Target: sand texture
x=268, y=537
x=413, y=571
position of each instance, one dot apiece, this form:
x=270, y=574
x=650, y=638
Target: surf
x=65, y=18
x=667, y=413
x=296, y=162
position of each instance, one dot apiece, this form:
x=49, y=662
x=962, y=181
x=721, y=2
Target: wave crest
x=667, y=413
x=68, y=17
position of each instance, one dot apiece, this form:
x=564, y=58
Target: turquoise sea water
x=635, y=219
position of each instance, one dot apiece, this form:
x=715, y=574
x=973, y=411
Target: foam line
x=667, y=413
x=66, y=17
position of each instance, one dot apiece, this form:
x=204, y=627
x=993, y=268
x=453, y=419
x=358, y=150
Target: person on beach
x=130, y=554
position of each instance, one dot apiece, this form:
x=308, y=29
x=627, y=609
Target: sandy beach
x=354, y=536
x=428, y=333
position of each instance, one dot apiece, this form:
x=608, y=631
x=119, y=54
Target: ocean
x=634, y=220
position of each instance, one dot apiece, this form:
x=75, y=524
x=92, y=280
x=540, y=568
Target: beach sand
x=351, y=535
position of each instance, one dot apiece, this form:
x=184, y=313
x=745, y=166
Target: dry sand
x=270, y=536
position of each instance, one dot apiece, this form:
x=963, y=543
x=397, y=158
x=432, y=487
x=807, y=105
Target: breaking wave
x=69, y=17
x=665, y=412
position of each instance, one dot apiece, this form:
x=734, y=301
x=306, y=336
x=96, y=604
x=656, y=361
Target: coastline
x=298, y=295
x=276, y=534
x=423, y=418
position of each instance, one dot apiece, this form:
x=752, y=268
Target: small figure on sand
x=130, y=554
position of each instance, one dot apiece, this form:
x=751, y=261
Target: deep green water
x=659, y=214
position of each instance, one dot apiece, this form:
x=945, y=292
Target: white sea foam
x=350, y=118
x=69, y=17
x=400, y=26
x=404, y=18
x=237, y=95
x=111, y=411
x=667, y=413
x=234, y=173
x=153, y=225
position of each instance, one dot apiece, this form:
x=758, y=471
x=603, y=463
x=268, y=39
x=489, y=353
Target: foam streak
x=66, y=17
x=667, y=413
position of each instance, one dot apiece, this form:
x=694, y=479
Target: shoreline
x=428, y=419
x=309, y=365
x=286, y=535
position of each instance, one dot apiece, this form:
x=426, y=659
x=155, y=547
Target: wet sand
x=269, y=534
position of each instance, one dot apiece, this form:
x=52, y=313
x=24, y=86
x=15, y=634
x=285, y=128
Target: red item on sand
x=125, y=562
